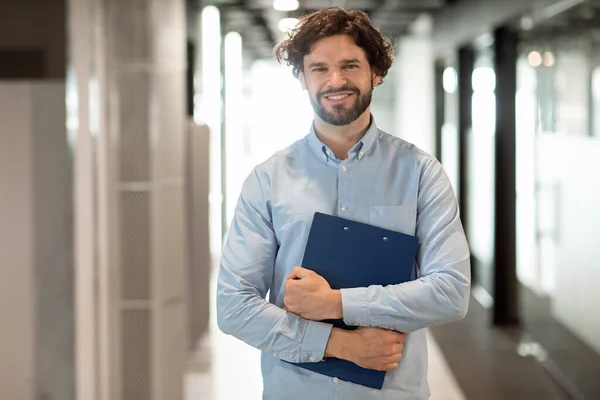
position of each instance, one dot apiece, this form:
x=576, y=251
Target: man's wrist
x=336, y=344
x=337, y=309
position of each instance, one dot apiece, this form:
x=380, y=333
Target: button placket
x=343, y=187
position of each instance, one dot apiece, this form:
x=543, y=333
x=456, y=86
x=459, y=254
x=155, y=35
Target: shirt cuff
x=315, y=341
x=355, y=307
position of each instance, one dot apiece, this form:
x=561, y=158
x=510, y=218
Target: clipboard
x=351, y=254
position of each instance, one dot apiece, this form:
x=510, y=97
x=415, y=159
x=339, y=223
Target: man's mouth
x=337, y=96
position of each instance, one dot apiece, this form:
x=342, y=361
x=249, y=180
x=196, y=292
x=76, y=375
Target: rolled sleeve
x=315, y=341
x=355, y=307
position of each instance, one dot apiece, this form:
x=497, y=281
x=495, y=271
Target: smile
x=337, y=96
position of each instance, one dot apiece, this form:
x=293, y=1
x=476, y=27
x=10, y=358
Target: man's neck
x=340, y=139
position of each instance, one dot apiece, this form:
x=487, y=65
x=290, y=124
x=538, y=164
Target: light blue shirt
x=386, y=182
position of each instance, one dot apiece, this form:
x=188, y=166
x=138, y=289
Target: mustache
x=338, y=90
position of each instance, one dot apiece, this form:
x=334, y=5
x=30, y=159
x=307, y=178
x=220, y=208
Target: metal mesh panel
x=172, y=349
x=135, y=245
x=171, y=124
x=136, y=358
x=169, y=39
x=134, y=149
x=132, y=20
x=172, y=262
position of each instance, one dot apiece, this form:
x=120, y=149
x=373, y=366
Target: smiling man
x=346, y=167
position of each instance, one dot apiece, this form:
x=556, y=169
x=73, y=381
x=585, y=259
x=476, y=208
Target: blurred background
x=128, y=126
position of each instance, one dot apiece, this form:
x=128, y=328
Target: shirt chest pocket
x=402, y=218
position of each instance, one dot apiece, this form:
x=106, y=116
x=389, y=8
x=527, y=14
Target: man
x=346, y=167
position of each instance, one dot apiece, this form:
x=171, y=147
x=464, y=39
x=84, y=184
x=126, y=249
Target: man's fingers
x=397, y=348
x=397, y=337
x=299, y=273
x=393, y=356
x=390, y=367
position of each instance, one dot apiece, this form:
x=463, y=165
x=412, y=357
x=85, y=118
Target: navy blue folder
x=351, y=254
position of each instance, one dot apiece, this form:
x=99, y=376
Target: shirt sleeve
x=441, y=294
x=245, y=276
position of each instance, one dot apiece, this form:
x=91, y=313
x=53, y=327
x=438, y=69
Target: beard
x=341, y=114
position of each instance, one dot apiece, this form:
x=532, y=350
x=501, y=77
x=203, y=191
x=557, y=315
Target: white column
x=128, y=59
x=415, y=102
x=86, y=328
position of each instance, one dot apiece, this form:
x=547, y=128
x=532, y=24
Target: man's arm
x=441, y=294
x=371, y=348
x=245, y=276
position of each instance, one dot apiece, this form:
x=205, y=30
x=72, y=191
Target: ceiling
x=257, y=21
x=581, y=20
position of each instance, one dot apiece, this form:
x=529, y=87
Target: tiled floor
x=225, y=368
x=487, y=363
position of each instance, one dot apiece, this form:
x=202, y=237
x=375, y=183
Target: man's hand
x=308, y=295
x=372, y=348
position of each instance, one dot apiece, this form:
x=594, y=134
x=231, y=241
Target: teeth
x=338, y=97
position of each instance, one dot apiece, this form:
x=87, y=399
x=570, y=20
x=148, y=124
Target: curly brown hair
x=330, y=22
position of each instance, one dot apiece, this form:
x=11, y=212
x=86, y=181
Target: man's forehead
x=335, y=51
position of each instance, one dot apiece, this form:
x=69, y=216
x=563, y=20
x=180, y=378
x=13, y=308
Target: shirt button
x=362, y=153
x=311, y=358
x=344, y=168
x=335, y=380
x=344, y=207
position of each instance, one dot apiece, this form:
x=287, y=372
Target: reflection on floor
x=225, y=368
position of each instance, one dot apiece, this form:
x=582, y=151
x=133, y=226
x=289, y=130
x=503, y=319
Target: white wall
x=36, y=298
x=16, y=243
x=572, y=164
x=415, y=97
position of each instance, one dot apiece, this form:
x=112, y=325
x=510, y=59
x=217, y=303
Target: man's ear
x=376, y=79
x=302, y=80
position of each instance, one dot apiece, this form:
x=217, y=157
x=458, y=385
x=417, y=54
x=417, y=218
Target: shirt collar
x=360, y=149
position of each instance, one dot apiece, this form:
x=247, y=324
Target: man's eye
x=351, y=66
x=319, y=70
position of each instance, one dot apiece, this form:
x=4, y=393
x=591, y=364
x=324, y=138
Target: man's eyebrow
x=350, y=61
x=343, y=62
x=316, y=64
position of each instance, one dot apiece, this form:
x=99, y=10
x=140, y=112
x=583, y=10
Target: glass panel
x=481, y=175
x=595, y=115
x=558, y=188
x=450, y=149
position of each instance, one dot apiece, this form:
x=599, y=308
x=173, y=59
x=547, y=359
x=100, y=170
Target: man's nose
x=337, y=79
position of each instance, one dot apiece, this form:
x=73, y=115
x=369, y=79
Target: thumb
x=299, y=273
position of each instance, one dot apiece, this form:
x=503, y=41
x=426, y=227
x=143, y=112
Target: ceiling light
x=287, y=24
x=527, y=23
x=286, y=5
x=535, y=59
x=548, y=59
x=450, y=80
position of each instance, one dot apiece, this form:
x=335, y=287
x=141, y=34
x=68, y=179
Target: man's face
x=339, y=80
